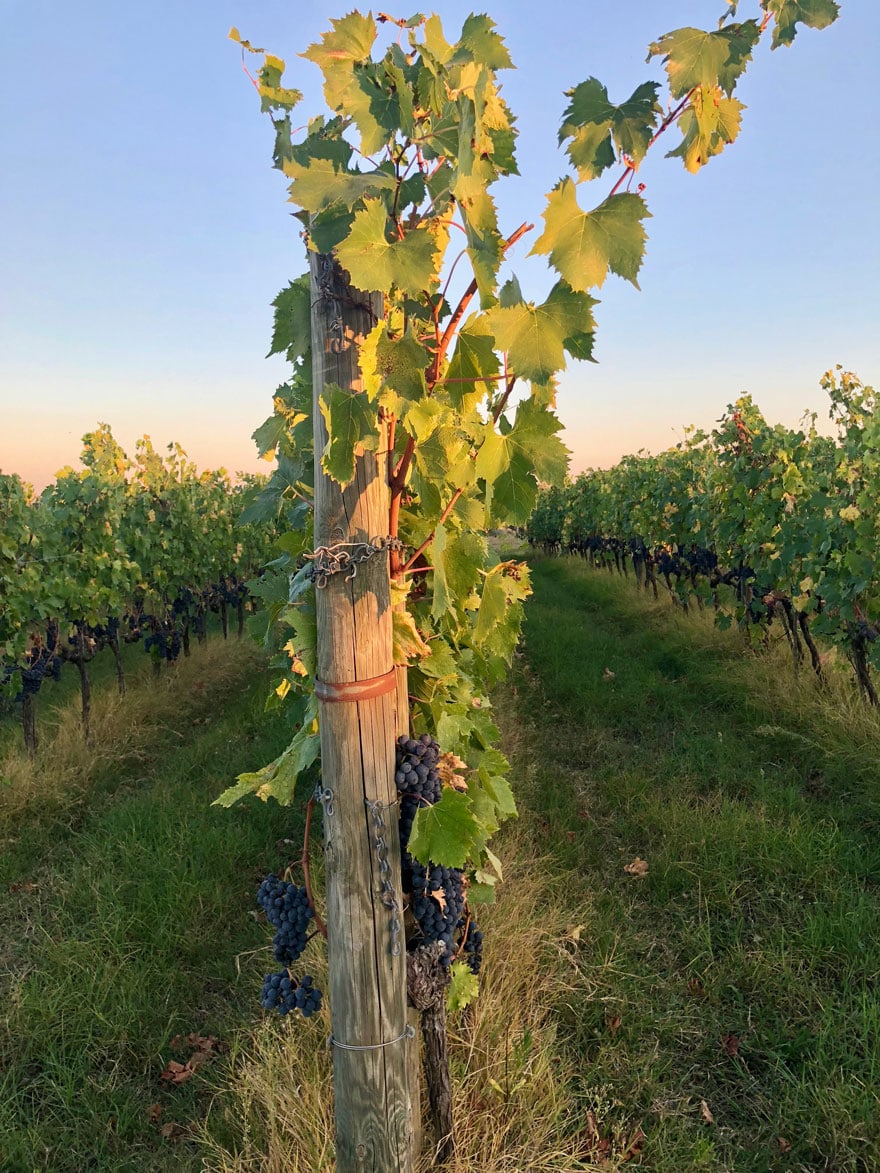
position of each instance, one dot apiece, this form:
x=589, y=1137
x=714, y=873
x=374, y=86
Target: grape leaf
x=407, y=639
x=595, y=126
x=815, y=14
x=292, y=333
x=273, y=95
x=375, y=263
x=708, y=125
x=351, y=430
x=447, y=832
x=584, y=246
x=535, y=337
x=463, y=988
x=693, y=57
x=278, y=779
x=323, y=179
x=479, y=42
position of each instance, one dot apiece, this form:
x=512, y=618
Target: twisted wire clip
x=408, y=1033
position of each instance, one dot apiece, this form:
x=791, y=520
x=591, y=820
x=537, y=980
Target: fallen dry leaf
x=574, y=933
x=634, y=1147
x=705, y=1113
x=613, y=1023
x=24, y=886
x=177, y=1073
x=784, y=1145
x=608, y=674
x=731, y=1044
x=173, y=1132
x=638, y=867
x=207, y=1043
x=695, y=987
x=154, y=1113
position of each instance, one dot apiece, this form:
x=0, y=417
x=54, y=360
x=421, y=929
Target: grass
x=718, y=1013
x=126, y=909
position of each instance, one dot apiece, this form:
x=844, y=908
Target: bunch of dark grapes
x=284, y=993
x=39, y=662
x=416, y=778
x=287, y=909
x=436, y=893
x=437, y=903
x=472, y=945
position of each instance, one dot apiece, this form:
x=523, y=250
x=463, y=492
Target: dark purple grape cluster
x=40, y=663
x=416, y=778
x=284, y=993
x=164, y=641
x=287, y=909
x=436, y=893
x=472, y=945
x=437, y=903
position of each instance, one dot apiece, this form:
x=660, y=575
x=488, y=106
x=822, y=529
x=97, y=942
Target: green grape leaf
x=323, y=179
x=815, y=14
x=708, y=125
x=584, y=246
x=535, y=337
x=351, y=429
x=470, y=375
x=390, y=105
x=329, y=228
x=463, y=988
x=273, y=95
x=595, y=126
x=292, y=333
x=268, y=435
x=375, y=263
x=278, y=779
x=480, y=43
x=395, y=363
x=693, y=57
x=447, y=832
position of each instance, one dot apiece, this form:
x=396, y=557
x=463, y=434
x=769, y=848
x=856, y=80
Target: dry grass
x=124, y=730
x=513, y=1105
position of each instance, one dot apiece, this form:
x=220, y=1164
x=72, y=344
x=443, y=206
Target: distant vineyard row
x=123, y=550
x=761, y=521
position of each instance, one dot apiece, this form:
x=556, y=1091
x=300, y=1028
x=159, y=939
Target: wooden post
x=367, y=953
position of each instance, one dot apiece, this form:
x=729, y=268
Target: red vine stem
x=630, y=168
x=307, y=874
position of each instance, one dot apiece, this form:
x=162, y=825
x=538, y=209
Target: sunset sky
x=146, y=233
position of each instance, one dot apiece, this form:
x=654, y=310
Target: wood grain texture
x=367, y=983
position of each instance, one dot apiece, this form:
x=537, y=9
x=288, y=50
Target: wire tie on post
x=408, y=1033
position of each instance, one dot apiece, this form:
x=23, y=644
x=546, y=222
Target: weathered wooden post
x=357, y=694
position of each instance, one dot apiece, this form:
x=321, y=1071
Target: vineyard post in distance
x=418, y=415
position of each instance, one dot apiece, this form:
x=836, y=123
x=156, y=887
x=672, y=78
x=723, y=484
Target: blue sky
x=145, y=232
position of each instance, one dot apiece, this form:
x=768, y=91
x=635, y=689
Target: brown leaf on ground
x=784, y=1145
x=177, y=1073
x=613, y=1023
x=708, y=1118
x=695, y=987
x=570, y=835
x=173, y=1132
x=638, y=867
x=607, y=674
x=23, y=886
x=154, y=1113
x=731, y=1044
x=207, y=1043
x=634, y=1147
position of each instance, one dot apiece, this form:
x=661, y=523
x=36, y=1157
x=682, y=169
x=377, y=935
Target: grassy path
x=737, y=980
x=719, y=1013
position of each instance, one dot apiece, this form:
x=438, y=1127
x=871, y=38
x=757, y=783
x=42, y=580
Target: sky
x=146, y=232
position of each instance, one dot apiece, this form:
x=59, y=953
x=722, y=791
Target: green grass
x=743, y=968
x=135, y=924
x=737, y=981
